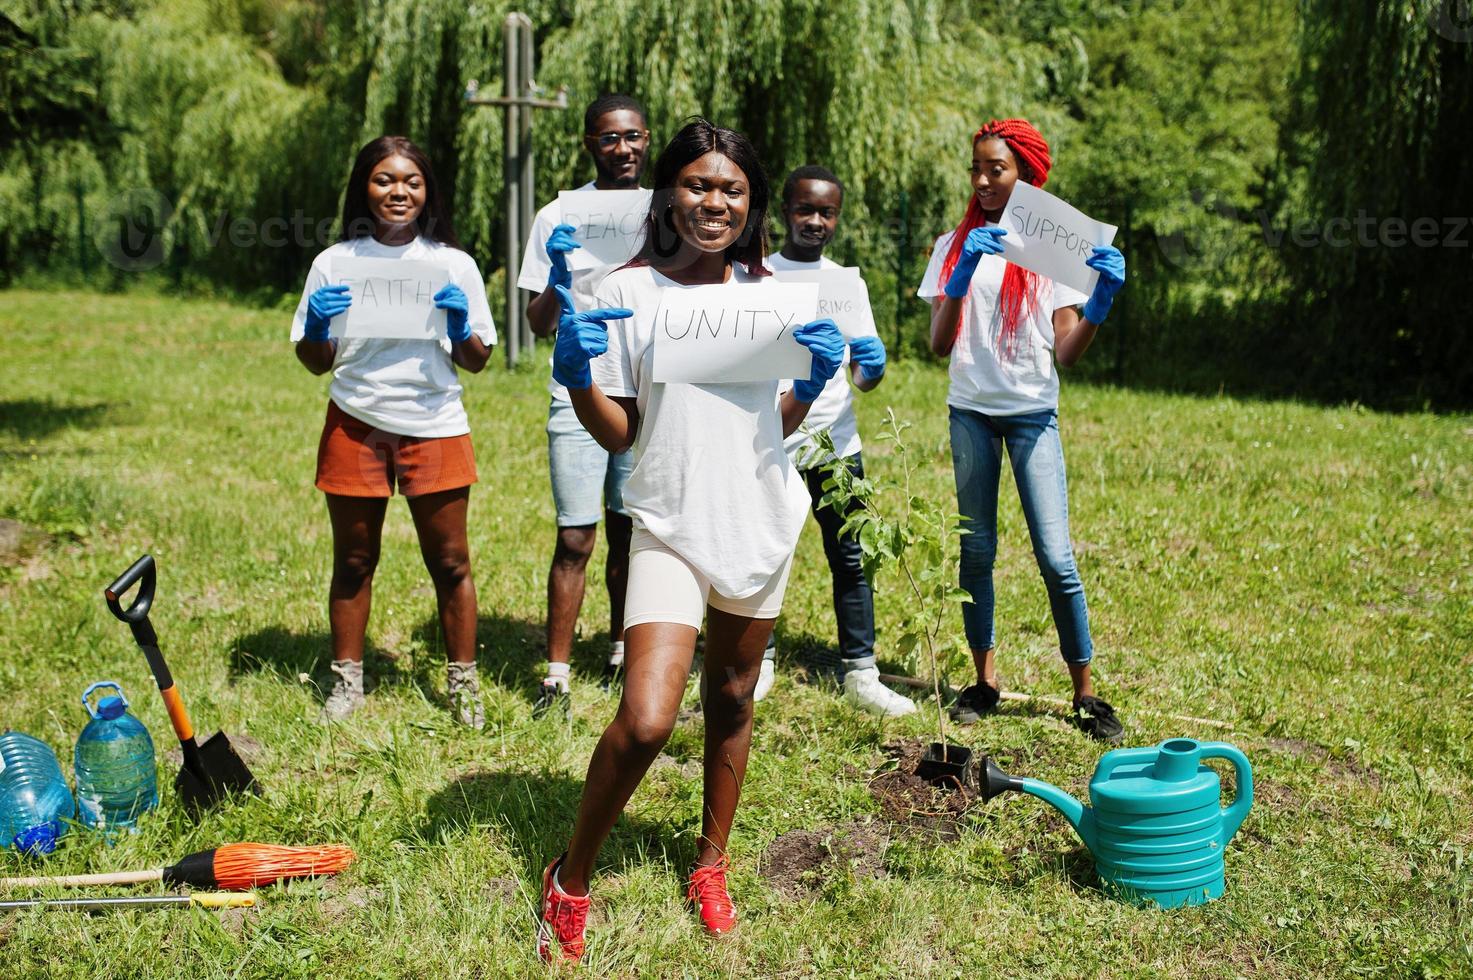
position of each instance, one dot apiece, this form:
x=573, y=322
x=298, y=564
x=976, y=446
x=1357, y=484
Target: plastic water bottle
x=117, y=781
x=34, y=800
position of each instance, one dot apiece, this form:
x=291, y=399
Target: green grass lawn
x=1299, y=573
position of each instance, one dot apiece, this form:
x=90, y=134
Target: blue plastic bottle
x=117, y=781
x=34, y=800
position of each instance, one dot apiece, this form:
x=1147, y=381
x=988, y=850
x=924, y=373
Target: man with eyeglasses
x=617, y=137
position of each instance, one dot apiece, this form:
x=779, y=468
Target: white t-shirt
x=408, y=387
x=711, y=480
x=982, y=379
x=833, y=409
x=536, y=265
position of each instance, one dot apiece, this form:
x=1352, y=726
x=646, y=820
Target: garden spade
x=211, y=770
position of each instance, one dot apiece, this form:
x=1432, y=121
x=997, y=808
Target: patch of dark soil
x=249, y=749
x=20, y=541
x=503, y=891
x=908, y=800
x=343, y=904
x=689, y=768
x=799, y=863
x=1271, y=797
x=234, y=921
x=1346, y=767
x=1274, y=795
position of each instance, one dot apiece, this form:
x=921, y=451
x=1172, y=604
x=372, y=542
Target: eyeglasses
x=634, y=137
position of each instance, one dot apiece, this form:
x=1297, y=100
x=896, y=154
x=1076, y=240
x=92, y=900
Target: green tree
x=1380, y=129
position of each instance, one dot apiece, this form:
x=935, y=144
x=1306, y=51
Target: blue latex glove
x=826, y=344
x=869, y=354
x=322, y=306
x=980, y=242
x=1111, y=266
x=451, y=299
x=559, y=244
x=580, y=338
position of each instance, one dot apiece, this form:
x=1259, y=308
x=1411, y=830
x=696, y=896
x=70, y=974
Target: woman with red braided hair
x=1003, y=328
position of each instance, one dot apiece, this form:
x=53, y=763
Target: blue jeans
x=1037, y=458
x=854, y=602
x=586, y=478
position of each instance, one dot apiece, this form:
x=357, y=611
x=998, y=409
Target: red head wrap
x=1019, y=295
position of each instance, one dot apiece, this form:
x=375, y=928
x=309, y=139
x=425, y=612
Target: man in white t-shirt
x=812, y=200
x=586, y=480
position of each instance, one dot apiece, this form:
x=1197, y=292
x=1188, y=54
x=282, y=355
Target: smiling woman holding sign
x=391, y=310
x=717, y=506
x=1003, y=327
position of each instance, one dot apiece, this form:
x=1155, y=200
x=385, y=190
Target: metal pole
x=511, y=177
x=520, y=97
x=526, y=72
x=1122, y=321
x=902, y=262
x=82, y=230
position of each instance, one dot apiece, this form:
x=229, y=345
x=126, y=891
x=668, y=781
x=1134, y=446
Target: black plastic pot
x=946, y=765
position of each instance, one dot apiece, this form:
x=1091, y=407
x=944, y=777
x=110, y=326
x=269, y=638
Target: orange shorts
x=354, y=459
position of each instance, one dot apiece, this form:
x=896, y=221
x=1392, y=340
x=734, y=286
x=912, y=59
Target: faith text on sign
x=733, y=333
x=1052, y=238
x=842, y=297
x=610, y=225
x=392, y=298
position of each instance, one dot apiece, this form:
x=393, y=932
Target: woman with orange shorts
x=395, y=416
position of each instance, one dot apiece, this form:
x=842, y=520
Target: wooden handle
x=82, y=881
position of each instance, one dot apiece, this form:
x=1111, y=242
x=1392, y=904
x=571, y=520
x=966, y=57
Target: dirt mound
x=907, y=799
x=799, y=863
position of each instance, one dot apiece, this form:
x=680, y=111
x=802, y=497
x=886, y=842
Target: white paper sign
x=1051, y=237
x=732, y=333
x=842, y=297
x=610, y=225
x=392, y=298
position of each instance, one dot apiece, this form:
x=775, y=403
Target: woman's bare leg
x=734, y=646
x=657, y=658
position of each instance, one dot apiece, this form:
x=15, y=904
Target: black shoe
x=613, y=674
x=551, y=695
x=1097, y=720
x=975, y=701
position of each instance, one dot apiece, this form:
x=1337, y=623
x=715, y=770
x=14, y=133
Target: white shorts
x=665, y=588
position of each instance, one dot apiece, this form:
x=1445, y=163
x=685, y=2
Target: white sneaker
x=765, y=678
x=864, y=689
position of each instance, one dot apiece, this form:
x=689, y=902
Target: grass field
x=1297, y=572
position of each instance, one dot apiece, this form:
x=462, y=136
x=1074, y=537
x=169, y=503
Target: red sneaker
x=707, y=890
x=563, y=918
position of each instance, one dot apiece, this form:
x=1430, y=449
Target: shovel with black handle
x=211, y=771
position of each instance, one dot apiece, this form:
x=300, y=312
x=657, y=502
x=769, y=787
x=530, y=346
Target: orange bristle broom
x=229, y=866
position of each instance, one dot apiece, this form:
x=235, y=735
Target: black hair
x=433, y=220
x=810, y=171
x=611, y=102
x=697, y=138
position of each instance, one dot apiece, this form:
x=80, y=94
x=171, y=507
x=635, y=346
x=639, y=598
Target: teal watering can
x=1157, y=827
